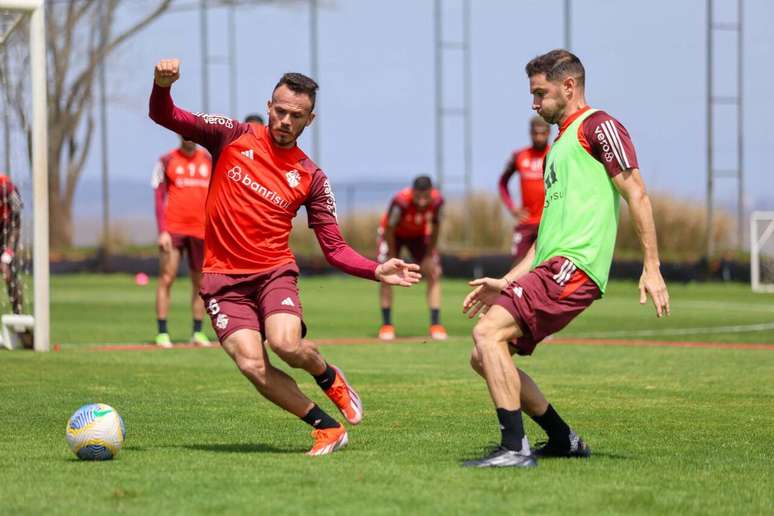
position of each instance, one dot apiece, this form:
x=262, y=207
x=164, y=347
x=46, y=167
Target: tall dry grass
x=483, y=226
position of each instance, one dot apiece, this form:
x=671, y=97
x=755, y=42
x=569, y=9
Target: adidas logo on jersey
x=288, y=302
x=248, y=153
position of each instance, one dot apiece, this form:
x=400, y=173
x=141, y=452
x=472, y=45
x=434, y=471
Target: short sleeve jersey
x=409, y=220
x=528, y=163
x=186, y=179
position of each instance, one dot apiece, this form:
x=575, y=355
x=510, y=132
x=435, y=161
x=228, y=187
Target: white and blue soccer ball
x=95, y=432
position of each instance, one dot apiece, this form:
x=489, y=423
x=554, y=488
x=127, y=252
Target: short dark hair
x=538, y=121
x=254, y=117
x=423, y=183
x=299, y=83
x=557, y=64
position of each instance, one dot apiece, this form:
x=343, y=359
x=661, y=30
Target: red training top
x=529, y=165
x=409, y=221
x=10, y=200
x=180, y=185
x=255, y=191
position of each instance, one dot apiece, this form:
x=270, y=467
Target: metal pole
x=40, y=177
x=740, y=128
x=567, y=24
x=6, y=118
x=468, y=150
x=205, y=57
x=314, y=43
x=104, y=147
x=710, y=163
x=232, y=61
x=438, y=20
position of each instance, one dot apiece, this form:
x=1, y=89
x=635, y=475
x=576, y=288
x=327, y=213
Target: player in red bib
x=261, y=179
x=413, y=220
x=180, y=182
x=528, y=163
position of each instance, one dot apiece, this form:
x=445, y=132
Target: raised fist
x=166, y=72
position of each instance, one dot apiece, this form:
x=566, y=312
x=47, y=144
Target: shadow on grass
x=241, y=448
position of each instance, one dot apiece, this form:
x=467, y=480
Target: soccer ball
x=95, y=432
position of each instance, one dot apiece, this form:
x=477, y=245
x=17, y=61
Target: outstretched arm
x=343, y=257
x=487, y=290
x=631, y=187
x=209, y=131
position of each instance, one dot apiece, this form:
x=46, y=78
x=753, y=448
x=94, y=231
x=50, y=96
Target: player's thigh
x=169, y=262
x=245, y=344
x=283, y=331
x=497, y=325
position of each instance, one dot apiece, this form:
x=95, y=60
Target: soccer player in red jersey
x=10, y=229
x=413, y=220
x=261, y=179
x=591, y=165
x=180, y=182
x=528, y=163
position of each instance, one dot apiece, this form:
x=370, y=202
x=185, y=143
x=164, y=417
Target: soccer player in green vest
x=592, y=163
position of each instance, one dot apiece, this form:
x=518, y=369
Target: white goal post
x=40, y=267
x=762, y=251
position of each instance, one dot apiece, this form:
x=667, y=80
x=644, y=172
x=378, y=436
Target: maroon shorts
x=417, y=247
x=239, y=301
x=546, y=300
x=193, y=248
x=524, y=235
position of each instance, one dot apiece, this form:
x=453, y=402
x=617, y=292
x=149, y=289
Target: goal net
x=24, y=296
x=762, y=251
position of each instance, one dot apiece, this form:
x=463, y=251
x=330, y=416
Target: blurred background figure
x=413, y=220
x=254, y=118
x=10, y=222
x=181, y=179
x=528, y=163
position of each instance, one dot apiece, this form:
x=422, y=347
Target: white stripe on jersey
x=619, y=142
x=613, y=146
x=158, y=175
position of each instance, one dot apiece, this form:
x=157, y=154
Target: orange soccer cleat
x=387, y=332
x=328, y=440
x=438, y=332
x=345, y=398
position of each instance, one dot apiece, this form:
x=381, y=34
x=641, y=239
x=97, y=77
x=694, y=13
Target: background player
x=10, y=222
x=260, y=181
x=254, y=118
x=180, y=182
x=413, y=220
x=528, y=163
x=591, y=164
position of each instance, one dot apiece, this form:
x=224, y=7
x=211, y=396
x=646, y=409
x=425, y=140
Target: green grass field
x=674, y=430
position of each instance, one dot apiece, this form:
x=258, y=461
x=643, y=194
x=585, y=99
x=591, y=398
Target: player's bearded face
x=547, y=98
x=289, y=114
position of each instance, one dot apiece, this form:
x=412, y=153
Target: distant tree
x=80, y=35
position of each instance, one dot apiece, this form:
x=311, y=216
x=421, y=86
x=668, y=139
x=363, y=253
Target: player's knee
x=166, y=279
x=287, y=347
x=484, y=336
x=255, y=369
x=475, y=361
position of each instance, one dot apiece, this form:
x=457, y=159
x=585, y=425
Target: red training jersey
x=255, y=191
x=10, y=200
x=180, y=182
x=528, y=163
x=410, y=221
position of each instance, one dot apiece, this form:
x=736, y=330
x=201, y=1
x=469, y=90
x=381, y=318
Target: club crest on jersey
x=293, y=177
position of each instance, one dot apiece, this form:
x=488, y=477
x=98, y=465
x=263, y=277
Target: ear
x=569, y=84
x=268, y=105
x=309, y=120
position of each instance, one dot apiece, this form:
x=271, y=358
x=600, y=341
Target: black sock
x=162, y=323
x=325, y=380
x=511, y=428
x=435, y=316
x=317, y=418
x=197, y=325
x=558, y=431
x=386, y=315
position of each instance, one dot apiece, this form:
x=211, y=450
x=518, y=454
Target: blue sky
x=645, y=64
